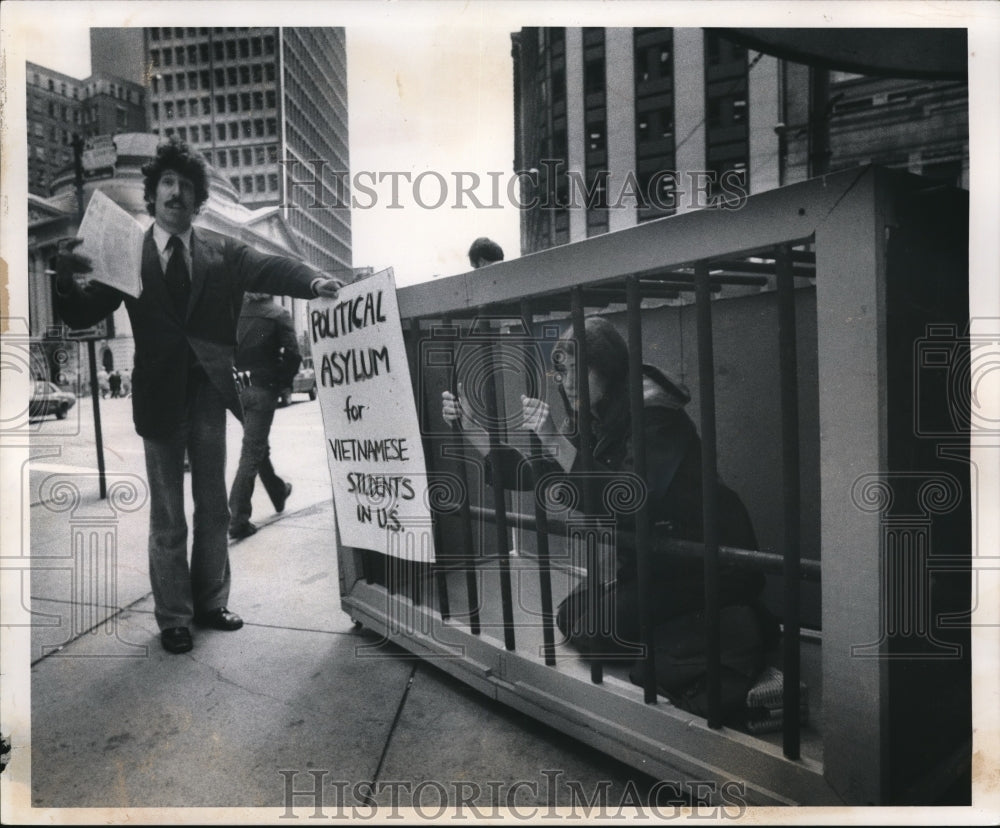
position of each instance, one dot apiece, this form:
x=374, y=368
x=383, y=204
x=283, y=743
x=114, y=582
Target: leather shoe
x=176, y=639
x=279, y=505
x=219, y=619
x=244, y=530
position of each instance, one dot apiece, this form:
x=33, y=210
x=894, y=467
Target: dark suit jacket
x=222, y=269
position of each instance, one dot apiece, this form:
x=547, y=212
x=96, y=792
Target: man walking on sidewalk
x=267, y=357
x=184, y=323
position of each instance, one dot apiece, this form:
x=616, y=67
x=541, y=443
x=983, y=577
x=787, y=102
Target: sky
x=434, y=98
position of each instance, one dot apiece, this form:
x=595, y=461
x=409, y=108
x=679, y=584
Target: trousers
x=180, y=590
x=259, y=403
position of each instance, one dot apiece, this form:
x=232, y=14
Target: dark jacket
x=673, y=488
x=266, y=344
x=222, y=269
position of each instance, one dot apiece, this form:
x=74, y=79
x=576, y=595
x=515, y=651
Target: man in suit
x=184, y=323
x=267, y=357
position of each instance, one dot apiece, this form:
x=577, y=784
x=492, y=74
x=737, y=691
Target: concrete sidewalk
x=284, y=703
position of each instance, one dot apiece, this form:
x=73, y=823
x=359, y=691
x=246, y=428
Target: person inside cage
x=673, y=487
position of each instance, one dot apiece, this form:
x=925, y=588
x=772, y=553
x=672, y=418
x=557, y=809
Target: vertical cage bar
x=595, y=593
x=788, y=366
x=541, y=528
x=642, y=531
x=468, y=560
x=412, y=338
x=709, y=490
x=499, y=497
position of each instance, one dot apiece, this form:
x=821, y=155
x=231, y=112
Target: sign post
x=81, y=160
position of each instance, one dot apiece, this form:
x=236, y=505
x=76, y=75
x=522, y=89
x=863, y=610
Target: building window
x=181, y=109
x=248, y=183
x=235, y=181
x=244, y=49
x=259, y=155
x=217, y=50
x=258, y=100
x=258, y=73
x=182, y=133
x=272, y=182
x=247, y=156
x=231, y=50
x=168, y=57
x=203, y=53
x=256, y=46
x=168, y=83
x=234, y=130
x=222, y=159
x=245, y=101
x=259, y=183
x=232, y=103
x=727, y=148
x=220, y=132
x=181, y=82
x=272, y=126
x=234, y=157
x=244, y=74
x=269, y=45
x=231, y=76
x=270, y=98
x=269, y=71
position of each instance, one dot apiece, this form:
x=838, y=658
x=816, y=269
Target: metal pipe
x=499, y=497
x=464, y=511
x=541, y=532
x=710, y=494
x=643, y=551
x=663, y=545
x=788, y=367
x=595, y=597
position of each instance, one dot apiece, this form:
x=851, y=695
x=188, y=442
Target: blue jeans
x=179, y=590
x=259, y=403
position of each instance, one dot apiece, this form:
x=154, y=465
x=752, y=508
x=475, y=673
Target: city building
x=268, y=108
x=60, y=107
x=616, y=126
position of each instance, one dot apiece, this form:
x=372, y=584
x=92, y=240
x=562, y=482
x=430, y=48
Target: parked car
x=304, y=382
x=48, y=398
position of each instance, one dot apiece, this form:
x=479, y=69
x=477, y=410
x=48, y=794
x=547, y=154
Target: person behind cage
x=184, y=324
x=673, y=488
x=484, y=252
x=267, y=357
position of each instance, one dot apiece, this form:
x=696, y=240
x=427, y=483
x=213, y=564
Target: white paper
x=112, y=240
x=373, y=441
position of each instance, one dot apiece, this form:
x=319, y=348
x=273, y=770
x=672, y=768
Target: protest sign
x=371, y=431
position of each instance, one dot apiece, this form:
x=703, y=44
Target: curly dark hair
x=175, y=155
x=486, y=250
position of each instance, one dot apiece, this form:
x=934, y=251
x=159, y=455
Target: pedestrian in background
x=115, y=384
x=484, y=252
x=267, y=357
x=184, y=322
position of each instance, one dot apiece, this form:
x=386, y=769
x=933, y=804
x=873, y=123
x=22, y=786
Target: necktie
x=177, y=278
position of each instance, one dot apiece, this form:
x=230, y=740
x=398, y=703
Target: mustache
x=175, y=202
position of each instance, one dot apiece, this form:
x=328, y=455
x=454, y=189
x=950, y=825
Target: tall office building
x=624, y=125
x=268, y=108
